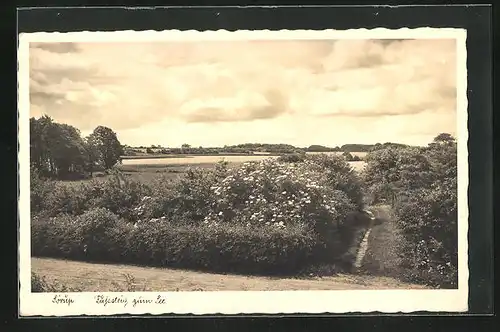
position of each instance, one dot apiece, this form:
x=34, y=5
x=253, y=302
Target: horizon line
x=295, y=146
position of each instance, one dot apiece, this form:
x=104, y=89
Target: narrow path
x=363, y=246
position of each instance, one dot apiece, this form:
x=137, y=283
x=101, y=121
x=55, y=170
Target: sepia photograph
x=168, y=171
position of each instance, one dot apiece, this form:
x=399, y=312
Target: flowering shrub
x=274, y=195
x=269, y=193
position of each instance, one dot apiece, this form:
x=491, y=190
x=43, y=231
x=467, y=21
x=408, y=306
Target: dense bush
x=421, y=185
x=292, y=157
x=391, y=170
x=93, y=233
x=395, y=170
x=66, y=199
x=233, y=248
x=340, y=176
x=39, y=190
x=116, y=193
x=428, y=218
x=100, y=235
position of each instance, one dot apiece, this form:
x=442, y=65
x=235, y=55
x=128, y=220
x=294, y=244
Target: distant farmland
x=184, y=160
x=212, y=159
x=148, y=168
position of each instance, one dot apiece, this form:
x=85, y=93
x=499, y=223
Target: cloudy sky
x=328, y=92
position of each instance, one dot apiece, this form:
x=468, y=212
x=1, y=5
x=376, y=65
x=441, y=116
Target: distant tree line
x=251, y=148
x=58, y=150
x=248, y=148
x=353, y=147
x=321, y=148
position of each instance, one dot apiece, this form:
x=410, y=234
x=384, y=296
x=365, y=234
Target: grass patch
x=40, y=284
x=92, y=277
x=384, y=245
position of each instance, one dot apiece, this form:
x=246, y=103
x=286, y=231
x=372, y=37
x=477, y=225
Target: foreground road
x=89, y=277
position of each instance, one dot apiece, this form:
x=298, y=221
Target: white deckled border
x=219, y=35
x=225, y=302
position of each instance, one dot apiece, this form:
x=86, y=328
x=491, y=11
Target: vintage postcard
x=255, y=172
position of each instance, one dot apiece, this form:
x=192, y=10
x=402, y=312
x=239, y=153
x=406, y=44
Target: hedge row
x=100, y=235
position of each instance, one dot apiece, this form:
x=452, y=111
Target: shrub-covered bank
x=421, y=186
x=268, y=217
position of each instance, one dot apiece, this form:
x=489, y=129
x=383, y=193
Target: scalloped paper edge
x=245, y=302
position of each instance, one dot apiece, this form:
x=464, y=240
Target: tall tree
x=92, y=153
x=56, y=149
x=443, y=154
x=40, y=144
x=36, y=146
x=107, y=145
x=67, y=149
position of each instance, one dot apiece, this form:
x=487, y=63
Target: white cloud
x=291, y=88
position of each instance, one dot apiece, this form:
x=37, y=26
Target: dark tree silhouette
x=108, y=147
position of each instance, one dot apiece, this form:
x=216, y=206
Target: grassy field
x=148, y=172
x=195, y=160
x=89, y=277
x=147, y=168
x=204, y=160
